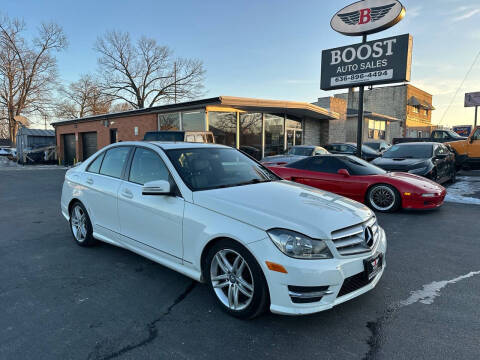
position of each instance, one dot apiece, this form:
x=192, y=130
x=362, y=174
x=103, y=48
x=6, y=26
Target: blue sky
x=270, y=48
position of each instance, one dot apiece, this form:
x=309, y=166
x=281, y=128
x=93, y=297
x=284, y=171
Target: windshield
x=213, y=168
x=356, y=166
x=302, y=151
x=368, y=150
x=409, y=151
x=454, y=134
x=373, y=145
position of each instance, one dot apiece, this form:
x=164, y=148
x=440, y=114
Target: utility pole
x=360, y=112
x=175, y=81
x=476, y=113
x=45, y=121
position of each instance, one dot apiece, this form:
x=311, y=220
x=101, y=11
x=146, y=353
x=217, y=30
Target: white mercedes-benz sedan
x=213, y=214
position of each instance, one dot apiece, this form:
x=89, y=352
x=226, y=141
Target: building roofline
x=232, y=101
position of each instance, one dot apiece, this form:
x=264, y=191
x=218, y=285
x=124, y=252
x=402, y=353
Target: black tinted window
x=356, y=166
x=147, y=166
x=325, y=164
x=114, y=161
x=409, y=151
x=94, y=166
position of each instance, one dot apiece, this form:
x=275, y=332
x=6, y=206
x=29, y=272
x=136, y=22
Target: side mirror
x=343, y=172
x=470, y=140
x=157, y=187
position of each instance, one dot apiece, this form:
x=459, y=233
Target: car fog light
x=428, y=195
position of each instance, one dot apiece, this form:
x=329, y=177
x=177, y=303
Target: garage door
x=89, y=141
x=69, y=149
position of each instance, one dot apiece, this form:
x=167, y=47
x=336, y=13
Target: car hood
x=399, y=164
x=421, y=183
x=284, y=204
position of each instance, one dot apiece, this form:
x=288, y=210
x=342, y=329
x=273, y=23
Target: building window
x=415, y=109
x=223, y=125
x=274, y=134
x=376, y=129
x=170, y=121
x=193, y=121
x=425, y=112
x=250, y=126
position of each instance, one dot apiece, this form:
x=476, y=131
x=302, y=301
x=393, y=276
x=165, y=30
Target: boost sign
x=367, y=17
x=374, y=62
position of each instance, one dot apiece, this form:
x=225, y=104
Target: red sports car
x=361, y=181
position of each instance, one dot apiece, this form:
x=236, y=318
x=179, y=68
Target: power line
x=461, y=85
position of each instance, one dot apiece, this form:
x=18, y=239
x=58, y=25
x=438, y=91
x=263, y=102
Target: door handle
x=89, y=181
x=127, y=193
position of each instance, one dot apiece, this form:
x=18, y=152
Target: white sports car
x=213, y=214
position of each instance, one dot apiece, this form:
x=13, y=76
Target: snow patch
x=464, y=190
x=432, y=290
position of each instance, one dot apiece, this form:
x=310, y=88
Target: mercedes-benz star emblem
x=368, y=233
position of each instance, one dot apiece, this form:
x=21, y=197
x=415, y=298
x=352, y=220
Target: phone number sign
x=381, y=61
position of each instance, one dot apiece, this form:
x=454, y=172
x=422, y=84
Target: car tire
x=81, y=226
x=236, y=280
x=384, y=198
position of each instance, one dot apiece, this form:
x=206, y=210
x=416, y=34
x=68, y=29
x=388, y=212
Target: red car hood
x=419, y=182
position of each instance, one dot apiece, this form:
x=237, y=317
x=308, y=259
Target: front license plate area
x=373, y=266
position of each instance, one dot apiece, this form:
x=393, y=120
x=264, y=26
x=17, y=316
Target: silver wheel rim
x=231, y=279
x=78, y=222
x=382, y=198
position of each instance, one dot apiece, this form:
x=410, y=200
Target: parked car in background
x=4, y=151
x=212, y=213
x=295, y=153
x=467, y=151
x=174, y=135
x=351, y=149
x=441, y=136
x=431, y=160
x=378, y=145
x=359, y=180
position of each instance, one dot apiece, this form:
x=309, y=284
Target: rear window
x=94, y=166
x=114, y=161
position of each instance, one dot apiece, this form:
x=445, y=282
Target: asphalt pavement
x=61, y=301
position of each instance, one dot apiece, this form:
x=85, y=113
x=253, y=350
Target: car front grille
x=353, y=283
x=356, y=239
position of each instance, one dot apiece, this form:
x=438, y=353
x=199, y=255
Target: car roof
x=419, y=143
x=168, y=145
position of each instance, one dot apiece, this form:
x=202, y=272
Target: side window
x=190, y=138
x=147, y=166
x=325, y=164
x=114, y=161
x=94, y=166
x=440, y=150
x=476, y=136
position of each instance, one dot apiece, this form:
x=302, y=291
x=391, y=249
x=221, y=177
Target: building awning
x=371, y=115
x=294, y=108
x=413, y=101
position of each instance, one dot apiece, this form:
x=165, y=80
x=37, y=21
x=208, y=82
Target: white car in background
x=213, y=214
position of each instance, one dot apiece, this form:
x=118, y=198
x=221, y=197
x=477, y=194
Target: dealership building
x=259, y=127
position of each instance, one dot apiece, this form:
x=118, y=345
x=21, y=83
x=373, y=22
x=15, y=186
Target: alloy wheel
x=231, y=279
x=78, y=223
x=382, y=198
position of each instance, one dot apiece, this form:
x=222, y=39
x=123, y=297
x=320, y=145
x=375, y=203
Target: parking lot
x=59, y=300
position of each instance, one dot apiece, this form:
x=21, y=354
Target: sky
x=270, y=48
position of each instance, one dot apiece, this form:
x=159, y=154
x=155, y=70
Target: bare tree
x=28, y=69
x=144, y=73
x=82, y=98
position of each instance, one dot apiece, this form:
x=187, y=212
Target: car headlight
x=299, y=246
x=418, y=170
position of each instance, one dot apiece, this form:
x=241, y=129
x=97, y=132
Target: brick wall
x=124, y=125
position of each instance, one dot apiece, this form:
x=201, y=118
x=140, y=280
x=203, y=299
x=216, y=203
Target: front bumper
x=330, y=273
x=417, y=202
